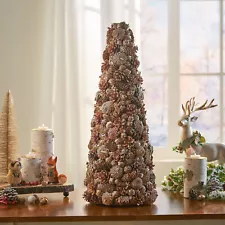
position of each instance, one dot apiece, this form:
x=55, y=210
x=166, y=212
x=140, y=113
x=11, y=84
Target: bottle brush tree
x=8, y=136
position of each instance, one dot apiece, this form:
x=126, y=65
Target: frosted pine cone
x=118, y=59
x=106, y=107
x=118, y=33
x=151, y=197
x=107, y=198
x=8, y=196
x=137, y=183
x=103, y=152
x=112, y=133
x=214, y=185
x=106, y=187
x=123, y=200
x=116, y=172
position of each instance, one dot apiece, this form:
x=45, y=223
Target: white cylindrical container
x=42, y=144
x=195, y=171
x=42, y=140
x=31, y=171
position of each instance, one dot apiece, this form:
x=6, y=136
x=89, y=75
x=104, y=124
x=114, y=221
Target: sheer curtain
x=48, y=62
x=39, y=63
x=60, y=90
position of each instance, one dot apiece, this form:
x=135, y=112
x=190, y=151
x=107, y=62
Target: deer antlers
x=190, y=106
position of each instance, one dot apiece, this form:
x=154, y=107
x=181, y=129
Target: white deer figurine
x=212, y=151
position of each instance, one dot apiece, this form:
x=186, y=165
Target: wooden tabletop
x=167, y=207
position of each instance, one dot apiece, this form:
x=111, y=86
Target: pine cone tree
x=8, y=196
x=120, y=168
x=214, y=185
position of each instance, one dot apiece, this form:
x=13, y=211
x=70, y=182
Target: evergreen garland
x=174, y=181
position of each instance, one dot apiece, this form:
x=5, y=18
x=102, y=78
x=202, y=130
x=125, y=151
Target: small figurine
x=52, y=171
x=14, y=176
x=194, y=140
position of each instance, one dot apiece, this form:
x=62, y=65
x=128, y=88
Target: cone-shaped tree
x=120, y=168
x=8, y=136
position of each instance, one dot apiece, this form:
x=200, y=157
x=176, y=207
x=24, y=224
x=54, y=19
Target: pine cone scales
x=120, y=168
x=214, y=185
x=8, y=196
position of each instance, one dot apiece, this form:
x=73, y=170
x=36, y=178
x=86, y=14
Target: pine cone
x=8, y=196
x=193, y=194
x=214, y=185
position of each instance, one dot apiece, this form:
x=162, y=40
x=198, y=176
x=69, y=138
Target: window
x=182, y=56
x=181, y=46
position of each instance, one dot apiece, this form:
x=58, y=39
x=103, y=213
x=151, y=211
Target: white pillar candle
x=195, y=169
x=195, y=156
x=42, y=140
x=31, y=171
x=42, y=144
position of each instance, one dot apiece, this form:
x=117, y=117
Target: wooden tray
x=50, y=188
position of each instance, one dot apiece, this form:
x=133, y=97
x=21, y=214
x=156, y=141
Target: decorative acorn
x=43, y=201
x=201, y=197
x=21, y=200
x=33, y=199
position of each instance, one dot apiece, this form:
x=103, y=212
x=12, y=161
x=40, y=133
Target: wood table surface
x=168, y=206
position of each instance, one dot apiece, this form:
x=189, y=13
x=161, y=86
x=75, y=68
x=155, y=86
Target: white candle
x=195, y=169
x=195, y=156
x=31, y=171
x=30, y=155
x=42, y=145
x=43, y=128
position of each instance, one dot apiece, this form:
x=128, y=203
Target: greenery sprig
x=174, y=181
x=195, y=140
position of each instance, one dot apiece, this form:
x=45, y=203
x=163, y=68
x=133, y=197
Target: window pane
x=157, y=107
x=154, y=35
x=199, y=36
x=202, y=88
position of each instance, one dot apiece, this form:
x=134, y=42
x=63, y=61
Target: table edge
x=113, y=218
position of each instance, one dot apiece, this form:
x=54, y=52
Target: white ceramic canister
x=195, y=169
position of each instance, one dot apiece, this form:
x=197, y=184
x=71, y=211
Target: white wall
x=20, y=55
